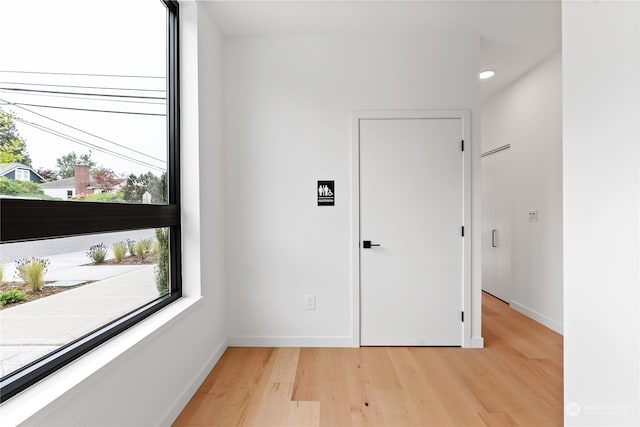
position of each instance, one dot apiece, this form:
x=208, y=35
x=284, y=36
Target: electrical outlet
x=533, y=216
x=310, y=302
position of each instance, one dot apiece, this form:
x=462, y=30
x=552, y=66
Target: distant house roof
x=5, y=168
x=69, y=183
x=60, y=183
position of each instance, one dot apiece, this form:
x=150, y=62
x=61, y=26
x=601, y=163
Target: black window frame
x=28, y=220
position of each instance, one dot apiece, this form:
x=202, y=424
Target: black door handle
x=366, y=244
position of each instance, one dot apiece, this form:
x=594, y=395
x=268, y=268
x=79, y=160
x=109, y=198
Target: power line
x=87, y=98
x=86, y=109
x=84, y=87
x=85, y=143
x=82, y=74
x=110, y=95
x=84, y=131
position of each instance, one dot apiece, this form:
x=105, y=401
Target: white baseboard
x=538, y=317
x=185, y=396
x=290, y=341
x=477, y=342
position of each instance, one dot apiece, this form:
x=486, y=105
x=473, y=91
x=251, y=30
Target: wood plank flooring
x=515, y=380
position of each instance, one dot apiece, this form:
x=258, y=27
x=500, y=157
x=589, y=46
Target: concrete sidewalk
x=31, y=330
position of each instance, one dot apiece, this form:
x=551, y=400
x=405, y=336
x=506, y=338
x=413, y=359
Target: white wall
x=288, y=102
x=59, y=193
x=151, y=379
x=528, y=116
x=601, y=93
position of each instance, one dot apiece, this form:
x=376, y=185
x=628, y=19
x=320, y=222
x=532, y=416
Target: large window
x=89, y=101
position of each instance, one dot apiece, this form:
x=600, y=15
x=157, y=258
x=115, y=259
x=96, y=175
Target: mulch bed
x=32, y=296
x=149, y=258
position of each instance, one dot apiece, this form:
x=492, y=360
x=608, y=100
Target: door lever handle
x=366, y=244
x=493, y=239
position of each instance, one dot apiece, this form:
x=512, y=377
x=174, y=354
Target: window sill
x=34, y=399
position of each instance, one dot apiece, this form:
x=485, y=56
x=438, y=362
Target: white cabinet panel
x=496, y=224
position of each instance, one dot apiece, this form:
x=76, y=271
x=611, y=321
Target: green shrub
x=12, y=296
x=138, y=249
x=162, y=268
x=155, y=247
x=97, y=253
x=32, y=272
x=119, y=251
x=1, y=273
x=131, y=245
x=21, y=188
x=101, y=197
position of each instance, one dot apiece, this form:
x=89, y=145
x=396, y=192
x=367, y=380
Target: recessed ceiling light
x=487, y=74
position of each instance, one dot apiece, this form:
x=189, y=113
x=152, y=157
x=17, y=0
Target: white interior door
x=411, y=194
x=496, y=224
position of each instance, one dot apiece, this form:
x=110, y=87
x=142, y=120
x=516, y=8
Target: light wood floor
x=515, y=380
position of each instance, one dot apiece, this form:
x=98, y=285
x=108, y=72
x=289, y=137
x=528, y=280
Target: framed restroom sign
x=326, y=191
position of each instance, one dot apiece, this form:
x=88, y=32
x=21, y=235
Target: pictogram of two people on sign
x=324, y=191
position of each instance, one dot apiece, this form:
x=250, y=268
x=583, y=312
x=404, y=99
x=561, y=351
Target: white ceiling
x=515, y=35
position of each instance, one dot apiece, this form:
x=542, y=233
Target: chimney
x=81, y=173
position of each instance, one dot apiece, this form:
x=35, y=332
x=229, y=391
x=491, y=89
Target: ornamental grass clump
x=119, y=251
x=32, y=272
x=131, y=246
x=139, y=249
x=97, y=253
x=148, y=244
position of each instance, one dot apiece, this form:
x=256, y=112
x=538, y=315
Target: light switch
x=310, y=302
x=533, y=216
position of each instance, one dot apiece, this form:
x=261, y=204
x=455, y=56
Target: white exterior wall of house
x=59, y=193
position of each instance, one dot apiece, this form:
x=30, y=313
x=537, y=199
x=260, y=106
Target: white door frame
x=356, y=117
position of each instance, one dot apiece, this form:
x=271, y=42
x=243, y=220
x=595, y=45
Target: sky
x=110, y=38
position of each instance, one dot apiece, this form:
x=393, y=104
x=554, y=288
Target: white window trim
x=20, y=174
x=36, y=398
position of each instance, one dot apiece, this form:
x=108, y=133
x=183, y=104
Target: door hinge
x=463, y=231
x=462, y=315
x=462, y=145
